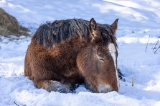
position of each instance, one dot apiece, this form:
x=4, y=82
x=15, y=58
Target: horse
x=65, y=53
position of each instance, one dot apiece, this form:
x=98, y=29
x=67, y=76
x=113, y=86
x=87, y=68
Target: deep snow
x=137, y=20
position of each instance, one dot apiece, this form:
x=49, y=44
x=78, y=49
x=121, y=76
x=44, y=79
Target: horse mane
x=51, y=33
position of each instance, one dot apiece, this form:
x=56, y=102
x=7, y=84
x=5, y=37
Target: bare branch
x=156, y=43
x=16, y=103
x=147, y=43
x=157, y=49
x=132, y=81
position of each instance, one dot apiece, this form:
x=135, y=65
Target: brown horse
x=75, y=51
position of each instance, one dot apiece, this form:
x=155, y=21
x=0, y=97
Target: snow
x=139, y=24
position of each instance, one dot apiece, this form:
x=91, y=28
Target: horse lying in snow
x=74, y=51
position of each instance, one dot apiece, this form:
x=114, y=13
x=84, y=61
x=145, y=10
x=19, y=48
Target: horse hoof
x=59, y=87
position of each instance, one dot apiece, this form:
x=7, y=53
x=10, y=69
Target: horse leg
x=51, y=85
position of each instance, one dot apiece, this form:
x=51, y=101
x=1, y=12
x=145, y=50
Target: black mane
x=55, y=32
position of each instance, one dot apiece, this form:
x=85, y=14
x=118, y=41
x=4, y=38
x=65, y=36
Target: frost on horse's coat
x=74, y=51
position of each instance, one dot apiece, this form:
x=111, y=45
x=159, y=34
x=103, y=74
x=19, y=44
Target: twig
x=132, y=81
x=147, y=43
x=156, y=49
x=16, y=103
x=156, y=43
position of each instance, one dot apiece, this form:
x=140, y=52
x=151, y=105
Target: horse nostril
x=104, y=88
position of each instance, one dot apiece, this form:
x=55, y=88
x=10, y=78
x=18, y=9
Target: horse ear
x=114, y=25
x=94, y=30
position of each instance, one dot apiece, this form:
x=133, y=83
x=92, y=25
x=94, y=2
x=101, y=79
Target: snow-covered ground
x=139, y=21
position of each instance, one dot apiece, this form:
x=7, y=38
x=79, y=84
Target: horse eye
x=101, y=59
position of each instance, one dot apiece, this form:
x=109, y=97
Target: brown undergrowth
x=10, y=26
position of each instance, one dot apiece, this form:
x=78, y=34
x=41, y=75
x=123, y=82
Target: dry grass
x=10, y=26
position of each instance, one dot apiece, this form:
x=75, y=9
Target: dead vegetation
x=156, y=45
x=10, y=26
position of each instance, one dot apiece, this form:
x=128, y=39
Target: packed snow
x=138, y=38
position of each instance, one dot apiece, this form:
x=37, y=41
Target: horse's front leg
x=56, y=86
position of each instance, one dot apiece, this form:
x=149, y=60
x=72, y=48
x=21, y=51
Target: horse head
x=97, y=62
